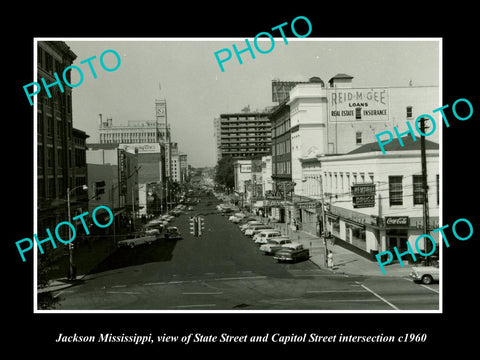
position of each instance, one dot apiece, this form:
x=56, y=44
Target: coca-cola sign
x=396, y=220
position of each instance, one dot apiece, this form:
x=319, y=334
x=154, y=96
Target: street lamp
x=70, y=245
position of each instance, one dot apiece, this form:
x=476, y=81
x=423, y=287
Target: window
x=49, y=125
x=358, y=113
x=50, y=158
x=417, y=190
x=358, y=136
x=395, y=190
x=409, y=112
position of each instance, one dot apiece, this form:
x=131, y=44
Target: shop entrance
x=398, y=238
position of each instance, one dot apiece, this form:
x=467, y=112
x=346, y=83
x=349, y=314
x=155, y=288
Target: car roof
x=269, y=231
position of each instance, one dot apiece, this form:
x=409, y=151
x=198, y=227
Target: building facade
x=374, y=201
x=243, y=135
x=113, y=180
x=61, y=167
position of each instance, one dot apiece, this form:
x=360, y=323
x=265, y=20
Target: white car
x=425, y=274
x=151, y=231
x=249, y=223
x=274, y=245
x=252, y=230
x=263, y=236
x=137, y=239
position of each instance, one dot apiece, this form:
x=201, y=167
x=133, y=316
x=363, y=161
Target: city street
x=224, y=270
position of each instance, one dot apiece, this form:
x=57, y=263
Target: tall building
x=60, y=148
x=184, y=175
x=243, y=134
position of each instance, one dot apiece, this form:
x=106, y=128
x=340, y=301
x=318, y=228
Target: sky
x=186, y=74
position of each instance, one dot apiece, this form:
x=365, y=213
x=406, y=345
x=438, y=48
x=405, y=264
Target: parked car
x=250, y=223
x=263, y=236
x=172, y=233
x=252, y=230
x=425, y=274
x=152, y=229
x=136, y=240
x=274, y=245
x=292, y=253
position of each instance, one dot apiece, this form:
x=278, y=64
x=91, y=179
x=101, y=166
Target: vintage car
x=274, y=245
x=425, y=273
x=249, y=223
x=172, y=233
x=292, y=253
x=255, y=229
x=263, y=236
x=152, y=229
x=136, y=240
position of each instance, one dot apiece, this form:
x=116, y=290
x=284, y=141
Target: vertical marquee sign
x=122, y=172
x=363, y=195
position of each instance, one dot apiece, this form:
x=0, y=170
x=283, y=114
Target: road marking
x=333, y=291
x=381, y=298
x=123, y=292
x=238, y=278
x=156, y=283
x=119, y=286
x=425, y=286
x=198, y=305
x=64, y=291
x=203, y=293
x=429, y=288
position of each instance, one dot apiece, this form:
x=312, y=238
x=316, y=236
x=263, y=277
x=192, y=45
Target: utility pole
x=426, y=228
x=324, y=225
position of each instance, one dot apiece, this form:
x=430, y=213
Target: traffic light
x=194, y=226
x=201, y=226
x=197, y=225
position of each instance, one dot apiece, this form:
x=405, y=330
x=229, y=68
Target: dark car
x=292, y=253
x=172, y=233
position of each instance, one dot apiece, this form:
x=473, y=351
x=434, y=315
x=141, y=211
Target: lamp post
x=70, y=245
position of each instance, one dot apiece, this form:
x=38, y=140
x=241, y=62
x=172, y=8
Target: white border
x=240, y=312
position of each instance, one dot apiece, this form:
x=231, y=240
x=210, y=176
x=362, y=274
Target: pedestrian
x=330, y=259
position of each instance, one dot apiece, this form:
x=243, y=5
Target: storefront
x=396, y=231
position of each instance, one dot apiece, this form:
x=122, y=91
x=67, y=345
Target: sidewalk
x=344, y=260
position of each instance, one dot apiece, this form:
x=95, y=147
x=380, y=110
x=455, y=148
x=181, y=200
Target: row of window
x=58, y=131
x=282, y=148
x=395, y=189
x=340, y=184
x=281, y=128
x=58, y=188
x=283, y=167
x=59, y=159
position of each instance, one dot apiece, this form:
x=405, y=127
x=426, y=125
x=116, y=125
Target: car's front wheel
x=427, y=279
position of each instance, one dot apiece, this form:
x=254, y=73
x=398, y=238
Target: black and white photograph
x=296, y=182
x=303, y=185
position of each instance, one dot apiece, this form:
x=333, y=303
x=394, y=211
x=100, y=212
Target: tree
x=224, y=172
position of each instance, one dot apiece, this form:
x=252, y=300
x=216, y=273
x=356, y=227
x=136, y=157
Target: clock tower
x=163, y=130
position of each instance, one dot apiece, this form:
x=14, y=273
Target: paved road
x=223, y=270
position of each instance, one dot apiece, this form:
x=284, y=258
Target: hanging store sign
x=122, y=171
x=363, y=195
